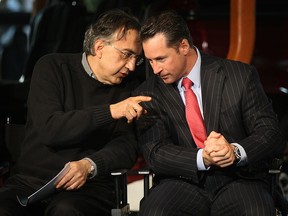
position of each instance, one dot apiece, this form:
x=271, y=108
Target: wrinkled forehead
x=130, y=41
x=122, y=34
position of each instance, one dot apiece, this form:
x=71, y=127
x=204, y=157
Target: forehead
x=130, y=40
x=155, y=46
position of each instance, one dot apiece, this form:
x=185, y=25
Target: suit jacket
x=234, y=104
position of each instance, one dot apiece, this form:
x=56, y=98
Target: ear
x=98, y=48
x=184, y=47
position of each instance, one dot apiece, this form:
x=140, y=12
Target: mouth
x=123, y=74
x=164, y=77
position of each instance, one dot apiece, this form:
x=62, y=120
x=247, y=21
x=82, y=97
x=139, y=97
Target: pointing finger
x=140, y=99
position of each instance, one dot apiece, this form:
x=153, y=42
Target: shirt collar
x=86, y=66
x=194, y=74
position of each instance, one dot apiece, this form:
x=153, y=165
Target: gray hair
x=108, y=25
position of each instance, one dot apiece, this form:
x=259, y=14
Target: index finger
x=140, y=99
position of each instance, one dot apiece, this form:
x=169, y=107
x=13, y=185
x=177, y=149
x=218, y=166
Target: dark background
x=28, y=32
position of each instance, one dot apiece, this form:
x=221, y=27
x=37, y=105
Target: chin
x=168, y=81
x=117, y=81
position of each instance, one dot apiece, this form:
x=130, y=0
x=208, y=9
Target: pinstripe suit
x=235, y=105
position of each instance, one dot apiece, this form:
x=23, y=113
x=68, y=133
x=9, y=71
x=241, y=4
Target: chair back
x=58, y=28
x=14, y=136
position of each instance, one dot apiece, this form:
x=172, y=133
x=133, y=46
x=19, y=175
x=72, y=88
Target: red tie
x=193, y=114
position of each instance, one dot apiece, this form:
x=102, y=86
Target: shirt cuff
x=200, y=163
x=244, y=159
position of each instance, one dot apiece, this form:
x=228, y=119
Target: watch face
x=237, y=153
x=92, y=169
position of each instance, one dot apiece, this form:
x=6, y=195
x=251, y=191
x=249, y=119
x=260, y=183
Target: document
x=44, y=191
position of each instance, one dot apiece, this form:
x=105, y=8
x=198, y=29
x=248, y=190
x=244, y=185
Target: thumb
x=214, y=134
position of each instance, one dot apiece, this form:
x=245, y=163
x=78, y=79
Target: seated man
x=209, y=141
x=79, y=110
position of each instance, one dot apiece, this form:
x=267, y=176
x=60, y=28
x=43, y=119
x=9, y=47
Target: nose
x=156, y=68
x=130, y=64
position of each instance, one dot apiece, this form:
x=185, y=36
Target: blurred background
x=252, y=31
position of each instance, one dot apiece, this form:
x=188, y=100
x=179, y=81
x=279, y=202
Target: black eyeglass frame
x=128, y=55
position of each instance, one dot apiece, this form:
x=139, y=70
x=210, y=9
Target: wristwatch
x=237, y=154
x=92, y=167
x=92, y=170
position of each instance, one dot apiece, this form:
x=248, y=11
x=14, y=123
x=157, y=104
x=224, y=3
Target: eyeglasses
x=128, y=55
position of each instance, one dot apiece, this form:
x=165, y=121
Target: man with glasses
x=79, y=110
x=129, y=55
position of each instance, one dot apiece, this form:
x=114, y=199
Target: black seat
x=58, y=28
x=14, y=135
x=275, y=169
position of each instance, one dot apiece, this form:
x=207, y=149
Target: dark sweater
x=69, y=119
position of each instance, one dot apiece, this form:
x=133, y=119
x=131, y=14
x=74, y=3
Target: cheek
x=180, y=66
x=170, y=65
x=173, y=67
x=115, y=64
x=113, y=59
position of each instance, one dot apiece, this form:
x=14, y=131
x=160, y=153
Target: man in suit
x=228, y=173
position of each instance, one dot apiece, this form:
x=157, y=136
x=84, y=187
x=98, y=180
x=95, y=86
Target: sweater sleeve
x=55, y=124
x=122, y=145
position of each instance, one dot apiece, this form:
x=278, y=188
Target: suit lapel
x=173, y=105
x=212, y=81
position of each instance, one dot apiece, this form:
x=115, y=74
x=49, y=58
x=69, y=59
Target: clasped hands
x=217, y=151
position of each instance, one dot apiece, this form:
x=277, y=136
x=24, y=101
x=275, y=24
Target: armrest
x=120, y=186
x=275, y=166
x=145, y=171
x=4, y=169
x=121, y=206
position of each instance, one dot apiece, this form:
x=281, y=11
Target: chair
x=58, y=28
x=122, y=207
x=15, y=133
x=274, y=170
x=277, y=194
x=3, y=170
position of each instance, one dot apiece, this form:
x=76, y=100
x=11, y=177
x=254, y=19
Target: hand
x=218, y=151
x=76, y=176
x=129, y=108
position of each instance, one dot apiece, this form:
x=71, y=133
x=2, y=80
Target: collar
x=194, y=74
x=86, y=66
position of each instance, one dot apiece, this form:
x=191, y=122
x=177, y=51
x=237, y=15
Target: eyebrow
x=158, y=58
x=129, y=50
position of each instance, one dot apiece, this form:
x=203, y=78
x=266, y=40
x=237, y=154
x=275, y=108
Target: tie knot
x=187, y=83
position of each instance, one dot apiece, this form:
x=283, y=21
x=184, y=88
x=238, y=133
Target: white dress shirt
x=195, y=76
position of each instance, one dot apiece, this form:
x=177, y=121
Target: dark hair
x=170, y=24
x=107, y=25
